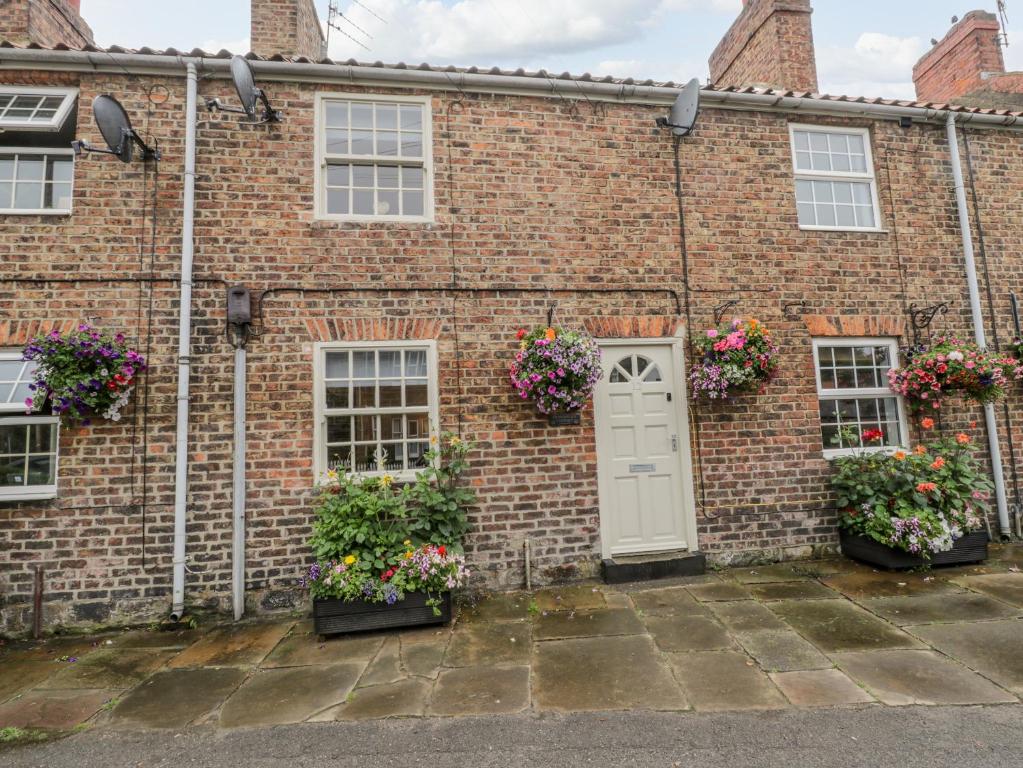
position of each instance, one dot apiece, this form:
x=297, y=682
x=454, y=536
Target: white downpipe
x=978, y=320
x=184, y=349
x=238, y=544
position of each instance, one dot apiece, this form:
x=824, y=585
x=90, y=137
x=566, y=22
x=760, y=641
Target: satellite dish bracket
x=663, y=123
x=81, y=146
x=270, y=115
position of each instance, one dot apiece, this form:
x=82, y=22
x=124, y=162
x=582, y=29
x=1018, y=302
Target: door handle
x=674, y=443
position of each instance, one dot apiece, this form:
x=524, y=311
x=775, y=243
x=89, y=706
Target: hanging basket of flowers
x=83, y=375
x=952, y=366
x=738, y=357
x=557, y=369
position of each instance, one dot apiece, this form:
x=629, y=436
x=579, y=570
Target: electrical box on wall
x=239, y=305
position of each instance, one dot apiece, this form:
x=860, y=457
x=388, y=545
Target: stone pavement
x=796, y=635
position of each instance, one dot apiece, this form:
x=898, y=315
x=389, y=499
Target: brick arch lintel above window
x=625, y=327
x=18, y=333
x=866, y=326
x=373, y=329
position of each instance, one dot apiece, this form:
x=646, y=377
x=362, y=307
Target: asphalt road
x=874, y=737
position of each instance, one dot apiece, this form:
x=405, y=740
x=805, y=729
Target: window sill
x=326, y=218
x=842, y=453
x=35, y=212
x=33, y=493
x=867, y=230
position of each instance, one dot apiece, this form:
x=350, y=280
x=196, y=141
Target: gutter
x=482, y=82
x=184, y=347
x=994, y=448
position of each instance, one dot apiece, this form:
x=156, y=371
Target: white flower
x=956, y=355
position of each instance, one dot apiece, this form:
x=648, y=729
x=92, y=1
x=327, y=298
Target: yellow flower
x=350, y=560
x=407, y=542
x=455, y=441
x=433, y=439
x=386, y=480
x=408, y=555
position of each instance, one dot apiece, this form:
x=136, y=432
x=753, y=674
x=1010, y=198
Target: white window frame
x=321, y=157
x=869, y=175
x=54, y=124
x=859, y=392
x=6, y=150
x=321, y=412
x=13, y=414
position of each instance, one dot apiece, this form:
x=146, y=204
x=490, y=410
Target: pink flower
x=28, y=402
x=712, y=333
x=970, y=364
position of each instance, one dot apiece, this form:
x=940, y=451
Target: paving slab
x=820, y=688
x=792, y=590
x=499, y=606
x=18, y=674
x=940, y=609
x=724, y=680
x=1007, y=587
x=838, y=625
x=176, y=697
x=746, y=616
x=571, y=598
x=422, y=659
x=607, y=622
x=722, y=590
x=992, y=648
x=53, y=710
x=233, y=645
x=866, y=584
x=768, y=574
x=176, y=638
x=603, y=673
x=670, y=600
x=406, y=698
x=782, y=651
x=497, y=643
x=52, y=648
x=385, y=666
x=688, y=633
x=288, y=695
x=302, y=648
x=111, y=669
x=900, y=678
x=484, y=690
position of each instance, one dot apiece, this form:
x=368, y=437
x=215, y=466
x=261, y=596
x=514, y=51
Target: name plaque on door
x=642, y=468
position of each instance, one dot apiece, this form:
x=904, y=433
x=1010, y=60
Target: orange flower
x=550, y=335
x=962, y=438
x=938, y=463
x=927, y=422
x=899, y=455
x=919, y=450
x=926, y=487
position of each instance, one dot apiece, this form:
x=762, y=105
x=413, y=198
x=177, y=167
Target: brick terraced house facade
x=396, y=229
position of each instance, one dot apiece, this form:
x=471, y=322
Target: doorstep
x=661, y=565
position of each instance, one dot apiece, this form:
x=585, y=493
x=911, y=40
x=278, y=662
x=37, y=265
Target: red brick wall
x=530, y=192
x=287, y=27
x=954, y=66
x=770, y=43
x=45, y=22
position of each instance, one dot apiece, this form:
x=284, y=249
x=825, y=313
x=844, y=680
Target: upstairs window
x=853, y=392
x=374, y=159
x=36, y=109
x=35, y=181
x=28, y=443
x=835, y=184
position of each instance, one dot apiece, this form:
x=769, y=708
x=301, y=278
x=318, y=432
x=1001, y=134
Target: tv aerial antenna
x=335, y=18
x=114, y=125
x=249, y=94
x=1003, y=17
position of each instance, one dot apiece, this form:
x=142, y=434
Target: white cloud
x=496, y=31
x=877, y=65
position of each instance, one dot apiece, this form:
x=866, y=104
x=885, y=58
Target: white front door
x=642, y=454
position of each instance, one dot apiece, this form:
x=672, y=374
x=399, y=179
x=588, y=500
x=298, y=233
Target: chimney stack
x=44, y=22
x=286, y=27
x=769, y=44
x=959, y=63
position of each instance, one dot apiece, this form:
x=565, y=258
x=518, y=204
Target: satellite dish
x=115, y=126
x=684, y=111
x=113, y=123
x=248, y=93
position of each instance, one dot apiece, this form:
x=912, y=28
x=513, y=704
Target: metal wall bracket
x=922, y=317
x=720, y=309
x=793, y=310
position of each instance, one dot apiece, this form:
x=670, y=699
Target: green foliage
x=920, y=502
x=439, y=499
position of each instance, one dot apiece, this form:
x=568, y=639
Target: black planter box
x=971, y=548
x=332, y=616
x=565, y=419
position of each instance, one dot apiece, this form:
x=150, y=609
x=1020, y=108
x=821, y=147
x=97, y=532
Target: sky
x=869, y=52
